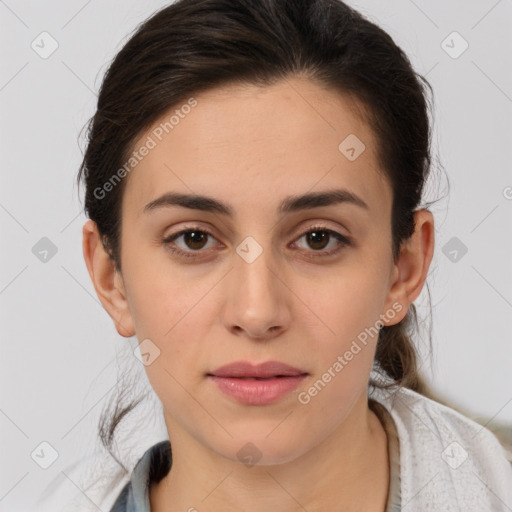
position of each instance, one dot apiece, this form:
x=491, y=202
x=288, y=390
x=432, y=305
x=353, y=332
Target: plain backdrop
x=59, y=347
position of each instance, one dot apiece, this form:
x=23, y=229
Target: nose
x=258, y=302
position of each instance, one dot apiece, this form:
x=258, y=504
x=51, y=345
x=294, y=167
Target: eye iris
x=317, y=237
x=195, y=237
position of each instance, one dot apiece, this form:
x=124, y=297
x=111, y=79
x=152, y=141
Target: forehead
x=251, y=145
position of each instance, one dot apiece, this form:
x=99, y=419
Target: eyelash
x=344, y=241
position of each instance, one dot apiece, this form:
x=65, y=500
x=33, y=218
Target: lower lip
x=257, y=392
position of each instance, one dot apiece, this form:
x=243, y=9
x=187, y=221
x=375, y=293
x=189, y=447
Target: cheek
x=175, y=320
x=349, y=310
x=345, y=355
x=171, y=313
x=161, y=294
x=349, y=302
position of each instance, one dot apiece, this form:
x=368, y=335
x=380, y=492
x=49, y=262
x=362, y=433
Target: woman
x=254, y=177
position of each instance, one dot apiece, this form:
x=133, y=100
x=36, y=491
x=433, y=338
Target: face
x=299, y=284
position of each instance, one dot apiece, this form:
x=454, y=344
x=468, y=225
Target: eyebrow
x=289, y=204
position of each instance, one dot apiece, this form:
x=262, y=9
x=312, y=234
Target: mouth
x=257, y=384
x=257, y=391
x=273, y=377
x=265, y=371
x=259, y=378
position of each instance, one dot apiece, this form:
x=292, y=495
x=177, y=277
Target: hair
x=197, y=45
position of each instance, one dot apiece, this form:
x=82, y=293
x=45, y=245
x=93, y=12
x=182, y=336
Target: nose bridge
x=256, y=303
x=254, y=268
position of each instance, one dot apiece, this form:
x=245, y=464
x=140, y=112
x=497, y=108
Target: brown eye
x=318, y=238
x=193, y=240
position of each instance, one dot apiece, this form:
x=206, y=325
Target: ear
x=107, y=281
x=410, y=271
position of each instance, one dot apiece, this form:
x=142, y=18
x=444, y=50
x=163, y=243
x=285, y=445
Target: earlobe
x=411, y=269
x=107, y=282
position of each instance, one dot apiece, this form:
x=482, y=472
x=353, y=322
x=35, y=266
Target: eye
x=318, y=237
x=195, y=239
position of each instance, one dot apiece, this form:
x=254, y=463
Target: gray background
x=59, y=348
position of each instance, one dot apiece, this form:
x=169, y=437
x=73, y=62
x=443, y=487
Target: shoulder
x=151, y=467
x=445, y=457
x=90, y=484
x=121, y=502
x=98, y=483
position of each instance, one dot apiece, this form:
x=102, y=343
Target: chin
x=261, y=450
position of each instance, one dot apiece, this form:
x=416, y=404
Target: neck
x=347, y=471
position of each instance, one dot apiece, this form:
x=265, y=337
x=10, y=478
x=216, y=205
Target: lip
x=262, y=370
x=257, y=384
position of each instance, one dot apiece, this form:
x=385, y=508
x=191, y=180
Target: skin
x=251, y=147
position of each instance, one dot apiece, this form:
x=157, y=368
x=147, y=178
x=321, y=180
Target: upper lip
x=247, y=369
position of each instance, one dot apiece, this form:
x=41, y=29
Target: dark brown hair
x=195, y=45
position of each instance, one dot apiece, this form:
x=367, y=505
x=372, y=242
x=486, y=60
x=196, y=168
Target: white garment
x=448, y=462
